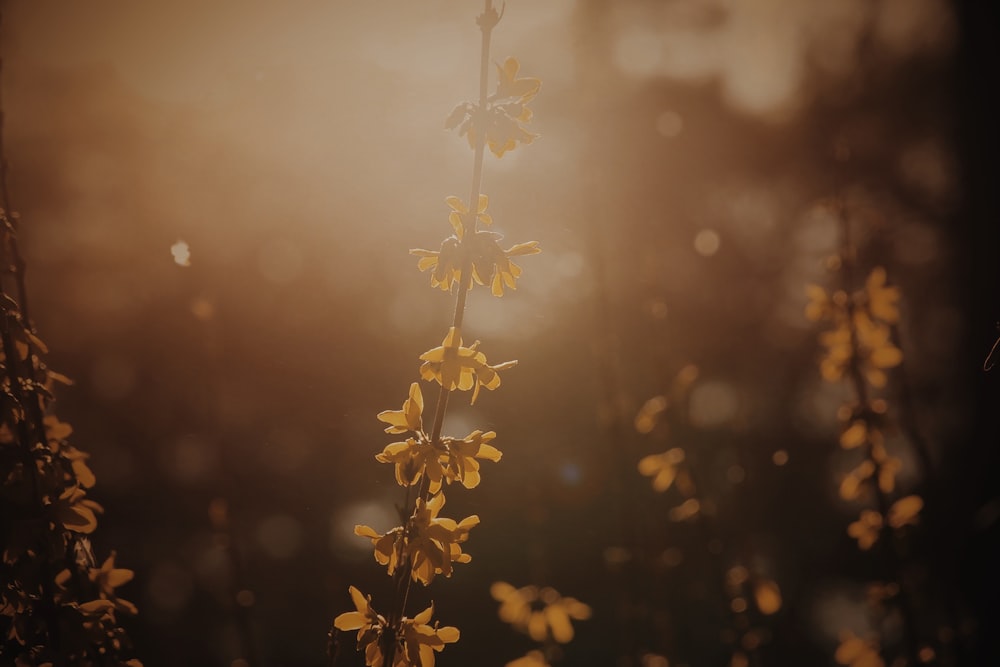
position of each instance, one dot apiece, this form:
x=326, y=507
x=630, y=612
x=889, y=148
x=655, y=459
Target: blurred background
x=677, y=190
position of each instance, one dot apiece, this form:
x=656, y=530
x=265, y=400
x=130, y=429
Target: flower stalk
x=427, y=544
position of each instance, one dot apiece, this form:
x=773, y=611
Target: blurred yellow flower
x=904, y=511
x=662, y=467
x=883, y=302
x=542, y=613
x=866, y=529
x=856, y=652
x=531, y=659
x=463, y=368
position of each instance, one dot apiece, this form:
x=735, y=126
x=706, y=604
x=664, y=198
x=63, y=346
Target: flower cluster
x=416, y=640
x=426, y=544
x=859, y=348
x=50, y=583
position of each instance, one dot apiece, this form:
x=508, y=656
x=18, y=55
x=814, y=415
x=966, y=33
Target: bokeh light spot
x=279, y=536
x=181, y=253
x=706, y=242
x=245, y=598
x=780, y=457
x=713, y=404
x=202, y=308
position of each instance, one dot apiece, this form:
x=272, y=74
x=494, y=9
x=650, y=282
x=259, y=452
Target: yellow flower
x=904, y=511
x=489, y=261
x=460, y=212
x=431, y=543
x=510, y=87
x=861, y=321
x=414, y=458
x=542, y=613
x=419, y=640
x=460, y=461
x=493, y=263
x=369, y=624
x=883, y=302
x=876, y=349
x=531, y=659
x=434, y=542
x=410, y=418
x=850, y=486
x=108, y=578
x=56, y=432
x=445, y=264
x=502, y=121
x=76, y=512
x=662, y=467
x=866, y=529
x=463, y=368
x=856, y=652
x=819, y=303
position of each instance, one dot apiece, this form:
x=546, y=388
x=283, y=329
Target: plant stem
x=403, y=577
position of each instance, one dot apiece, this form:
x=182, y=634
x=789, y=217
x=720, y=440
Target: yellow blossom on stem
x=460, y=461
x=503, y=119
x=369, y=624
x=414, y=458
x=460, y=212
x=457, y=367
x=410, y=418
x=445, y=264
x=419, y=640
x=76, y=512
x=431, y=543
x=493, y=263
x=108, y=578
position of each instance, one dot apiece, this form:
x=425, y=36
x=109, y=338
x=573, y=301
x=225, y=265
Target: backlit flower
x=410, y=418
x=458, y=367
x=369, y=624
x=460, y=460
x=419, y=640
